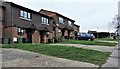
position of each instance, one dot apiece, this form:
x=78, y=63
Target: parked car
x=85, y=36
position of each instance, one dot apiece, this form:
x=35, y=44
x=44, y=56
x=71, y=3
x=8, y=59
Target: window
x=21, y=13
x=45, y=20
x=29, y=16
x=69, y=23
x=20, y=31
x=59, y=30
x=25, y=15
x=61, y=20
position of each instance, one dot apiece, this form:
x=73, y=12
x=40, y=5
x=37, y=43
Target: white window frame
x=21, y=13
x=28, y=15
x=61, y=20
x=59, y=30
x=25, y=15
x=20, y=30
x=44, y=20
x=69, y=23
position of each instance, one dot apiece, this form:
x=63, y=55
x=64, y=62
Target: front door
x=29, y=36
x=42, y=37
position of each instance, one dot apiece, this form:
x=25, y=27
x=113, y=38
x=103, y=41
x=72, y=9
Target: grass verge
x=89, y=42
x=72, y=53
x=106, y=39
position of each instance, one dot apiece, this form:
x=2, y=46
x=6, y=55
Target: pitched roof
x=30, y=10
x=32, y=26
x=57, y=14
x=76, y=25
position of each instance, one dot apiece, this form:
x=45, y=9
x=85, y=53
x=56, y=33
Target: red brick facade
x=35, y=30
x=76, y=28
x=61, y=29
x=12, y=32
x=36, y=37
x=1, y=23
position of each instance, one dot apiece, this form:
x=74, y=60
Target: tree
x=115, y=22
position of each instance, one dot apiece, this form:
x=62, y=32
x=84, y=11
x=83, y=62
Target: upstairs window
x=20, y=31
x=61, y=20
x=45, y=20
x=69, y=23
x=25, y=15
x=29, y=16
x=21, y=13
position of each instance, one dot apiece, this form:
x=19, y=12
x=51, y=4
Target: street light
x=97, y=31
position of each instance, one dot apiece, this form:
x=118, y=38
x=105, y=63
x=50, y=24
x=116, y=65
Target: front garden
x=72, y=53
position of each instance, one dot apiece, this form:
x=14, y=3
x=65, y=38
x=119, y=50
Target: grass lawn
x=106, y=39
x=72, y=53
x=90, y=42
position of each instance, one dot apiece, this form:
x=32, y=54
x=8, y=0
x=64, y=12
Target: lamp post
x=97, y=32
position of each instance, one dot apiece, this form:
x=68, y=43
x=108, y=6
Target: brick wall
x=15, y=33
x=76, y=28
x=36, y=37
x=50, y=35
x=1, y=23
x=66, y=33
x=12, y=32
x=45, y=38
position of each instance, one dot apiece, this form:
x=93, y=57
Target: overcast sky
x=89, y=14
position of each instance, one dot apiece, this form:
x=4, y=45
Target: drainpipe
x=68, y=34
x=11, y=24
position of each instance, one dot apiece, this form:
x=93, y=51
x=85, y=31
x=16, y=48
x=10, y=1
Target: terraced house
x=63, y=27
x=23, y=24
x=19, y=24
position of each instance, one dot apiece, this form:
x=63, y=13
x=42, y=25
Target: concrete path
x=114, y=59
x=93, y=47
x=21, y=58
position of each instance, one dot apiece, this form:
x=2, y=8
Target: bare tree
x=115, y=22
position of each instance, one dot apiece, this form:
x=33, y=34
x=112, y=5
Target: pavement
x=0, y=57
x=20, y=58
x=92, y=47
x=114, y=59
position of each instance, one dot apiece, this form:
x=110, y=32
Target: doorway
x=29, y=35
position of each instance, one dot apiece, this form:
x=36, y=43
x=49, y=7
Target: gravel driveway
x=20, y=58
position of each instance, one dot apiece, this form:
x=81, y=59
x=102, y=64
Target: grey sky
x=89, y=14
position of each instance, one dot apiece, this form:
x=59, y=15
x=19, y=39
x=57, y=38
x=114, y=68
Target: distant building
x=100, y=34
